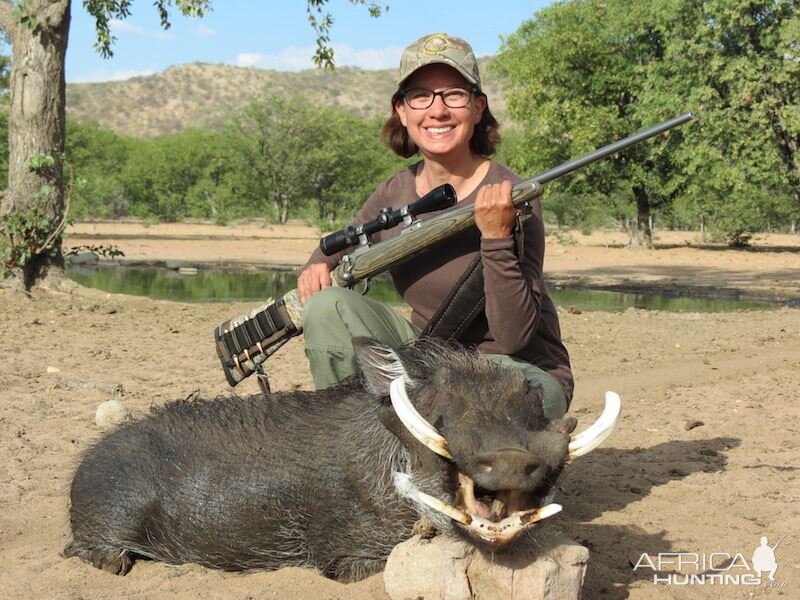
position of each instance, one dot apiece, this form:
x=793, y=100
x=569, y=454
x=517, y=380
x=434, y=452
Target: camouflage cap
x=440, y=48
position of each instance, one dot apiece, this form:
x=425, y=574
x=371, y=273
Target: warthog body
x=330, y=480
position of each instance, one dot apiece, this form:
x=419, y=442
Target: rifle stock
x=245, y=342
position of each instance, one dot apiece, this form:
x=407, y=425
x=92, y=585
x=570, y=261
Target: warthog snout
x=509, y=469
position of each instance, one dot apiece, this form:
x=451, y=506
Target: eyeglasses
x=421, y=98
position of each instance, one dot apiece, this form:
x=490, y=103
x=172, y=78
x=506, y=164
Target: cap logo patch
x=436, y=44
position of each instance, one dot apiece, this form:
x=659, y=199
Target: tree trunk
x=38, y=36
x=788, y=147
x=639, y=233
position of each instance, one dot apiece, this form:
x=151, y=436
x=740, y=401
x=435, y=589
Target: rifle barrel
x=584, y=160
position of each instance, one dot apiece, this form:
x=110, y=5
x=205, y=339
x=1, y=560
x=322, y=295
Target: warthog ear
x=379, y=365
x=563, y=425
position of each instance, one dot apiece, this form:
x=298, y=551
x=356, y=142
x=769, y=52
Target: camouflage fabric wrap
x=244, y=343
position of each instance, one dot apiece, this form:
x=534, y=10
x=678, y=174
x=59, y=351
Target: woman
x=440, y=112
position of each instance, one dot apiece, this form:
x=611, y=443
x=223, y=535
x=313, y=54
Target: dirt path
x=658, y=486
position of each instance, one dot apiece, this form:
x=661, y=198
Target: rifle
x=244, y=343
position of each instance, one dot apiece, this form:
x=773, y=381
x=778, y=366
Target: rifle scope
x=438, y=198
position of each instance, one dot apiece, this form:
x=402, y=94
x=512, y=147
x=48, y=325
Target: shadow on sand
x=610, y=479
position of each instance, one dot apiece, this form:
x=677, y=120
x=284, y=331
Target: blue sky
x=275, y=34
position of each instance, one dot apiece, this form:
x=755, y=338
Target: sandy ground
x=704, y=461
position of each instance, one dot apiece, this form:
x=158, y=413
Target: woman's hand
x=314, y=278
x=495, y=214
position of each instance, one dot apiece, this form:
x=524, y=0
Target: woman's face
x=439, y=130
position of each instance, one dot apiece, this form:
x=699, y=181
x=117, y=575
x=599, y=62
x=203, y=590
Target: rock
x=82, y=258
x=111, y=413
x=550, y=567
x=431, y=569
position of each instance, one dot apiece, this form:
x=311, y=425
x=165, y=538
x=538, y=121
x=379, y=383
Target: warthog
x=332, y=479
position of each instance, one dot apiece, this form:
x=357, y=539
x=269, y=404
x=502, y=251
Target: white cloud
x=99, y=76
x=204, y=31
x=379, y=58
x=121, y=27
x=249, y=59
x=295, y=59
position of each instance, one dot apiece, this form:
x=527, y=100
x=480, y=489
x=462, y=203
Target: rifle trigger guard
x=366, y=281
x=525, y=209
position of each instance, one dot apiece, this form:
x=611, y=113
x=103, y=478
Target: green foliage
x=738, y=63
x=24, y=13
x=98, y=158
x=24, y=235
x=175, y=177
x=323, y=21
x=5, y=74
x=583, y=73
x=105, y=11
x=39, y=161
x=295, y=159
x=575, y=76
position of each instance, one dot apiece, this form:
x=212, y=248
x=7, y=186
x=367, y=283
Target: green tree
x=95, y=158
x=574, y=77
x=586, y=70
x=346, y=164
x=32, y=208
x=294, y=159
x=272, y=139
x=173, y=177
x=738, y=62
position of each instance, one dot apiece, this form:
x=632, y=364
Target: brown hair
x=484, y=140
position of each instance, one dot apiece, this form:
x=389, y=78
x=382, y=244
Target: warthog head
x=483, y=459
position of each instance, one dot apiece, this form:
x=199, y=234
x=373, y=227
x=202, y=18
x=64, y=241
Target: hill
x=208, y=95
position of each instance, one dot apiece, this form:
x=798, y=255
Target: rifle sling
x=464, y=302
x=467, y=299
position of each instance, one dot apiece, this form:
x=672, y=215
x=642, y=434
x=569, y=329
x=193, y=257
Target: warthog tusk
x=444, y=508
x=588, y=440
x=414, y=422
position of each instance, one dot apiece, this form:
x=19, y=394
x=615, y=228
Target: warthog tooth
x=497, y=509
x=444, y=508
x=466, y=491
x=532, y=516
x=519, y=520
x=588, y=440
x=414, y=422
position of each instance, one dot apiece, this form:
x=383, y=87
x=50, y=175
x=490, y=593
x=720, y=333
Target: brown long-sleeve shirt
x=519, y=319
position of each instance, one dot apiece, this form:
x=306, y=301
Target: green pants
x=332, y=317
